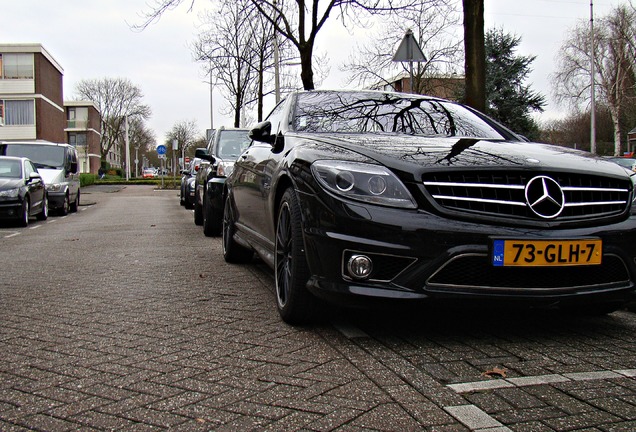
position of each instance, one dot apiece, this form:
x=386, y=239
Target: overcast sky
x=92, y=39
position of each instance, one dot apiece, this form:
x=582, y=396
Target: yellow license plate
x=547, y=253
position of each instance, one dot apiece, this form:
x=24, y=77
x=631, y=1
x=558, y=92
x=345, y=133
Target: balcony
x=77, y=124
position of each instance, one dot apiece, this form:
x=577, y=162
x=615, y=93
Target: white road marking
x=540, y=379
x=475, y=419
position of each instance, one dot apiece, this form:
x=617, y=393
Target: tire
x=23, y=218
x=296, y=305
x=232, y=251
x=212, y=220
x=75, y=204
x=44, y=214
x=591, y=309
x=63, y=211
x=198, y=213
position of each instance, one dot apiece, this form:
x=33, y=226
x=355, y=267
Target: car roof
x=20, y=158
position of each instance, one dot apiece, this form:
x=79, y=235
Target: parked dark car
x=188, y=183
x=22, y=191
x=220, y=156
x=359, y=195
x=625, y=162
x=58, y=166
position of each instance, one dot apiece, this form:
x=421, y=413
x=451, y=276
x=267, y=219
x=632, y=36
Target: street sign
x=409, y=50
x=161, y=149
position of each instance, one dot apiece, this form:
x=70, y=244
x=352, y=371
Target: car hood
x=51, y=176
x=10, y=183
x=418, y=154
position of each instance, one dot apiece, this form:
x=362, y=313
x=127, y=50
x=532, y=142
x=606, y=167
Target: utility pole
x=127, y=151
x=276, y=59
x=592, y=73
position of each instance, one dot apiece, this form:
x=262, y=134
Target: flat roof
x=31, y=48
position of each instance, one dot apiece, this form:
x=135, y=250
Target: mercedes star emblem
x=545, y=197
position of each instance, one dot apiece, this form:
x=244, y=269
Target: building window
x=77, y=117
x=19, y=112
x=17, y=66
x=77, y=139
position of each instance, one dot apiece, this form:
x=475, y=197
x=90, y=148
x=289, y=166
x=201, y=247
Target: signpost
x=161, y=151
x=410, y=51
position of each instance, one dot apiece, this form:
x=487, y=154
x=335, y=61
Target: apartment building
x=31, y=94
x=83, y=131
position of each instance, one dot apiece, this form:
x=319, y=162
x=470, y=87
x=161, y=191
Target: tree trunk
x=260, y=92
x=475, y=54
x=615, y=113
x=306, y=72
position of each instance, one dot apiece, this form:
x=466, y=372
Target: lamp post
x=136, y=161
x=592, y=72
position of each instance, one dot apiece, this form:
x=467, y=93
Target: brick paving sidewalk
x=125, y=317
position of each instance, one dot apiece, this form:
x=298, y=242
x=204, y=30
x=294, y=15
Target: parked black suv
x=218, y=161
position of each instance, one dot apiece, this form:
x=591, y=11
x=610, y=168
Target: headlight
x=224, y=168
x=11, y=193
x=374, y=184
x=633, y=177
x=54, y=187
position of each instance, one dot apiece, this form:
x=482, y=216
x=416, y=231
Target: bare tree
x=186, y=132
x=237, y=46
x=300, y=21
x=614, y=64
x=225, y=46
x=432, y=24
x=116, y=99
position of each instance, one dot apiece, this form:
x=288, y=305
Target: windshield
x=232, y=143
x=43, y=156
x=360, y=112
x=10, y=168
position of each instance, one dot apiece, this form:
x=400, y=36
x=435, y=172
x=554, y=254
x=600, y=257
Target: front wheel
x=23, y=218
x=74, y=206
x=63, y=211
x=198, y=213
x=295, y=303
x=44, y=214
x=232, y=251
x=212, y=221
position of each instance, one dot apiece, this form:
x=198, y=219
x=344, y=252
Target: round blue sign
x=161, y=149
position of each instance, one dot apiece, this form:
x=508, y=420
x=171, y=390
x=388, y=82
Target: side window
x=276, y=117
x=28, y=168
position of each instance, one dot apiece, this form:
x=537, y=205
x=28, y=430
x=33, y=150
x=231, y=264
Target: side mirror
x=73, y=167
x=207, y=157
x=199, y=152
x=262, y=132
x=34, y=176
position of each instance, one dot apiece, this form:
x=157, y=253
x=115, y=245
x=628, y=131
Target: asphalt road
x=124, y=316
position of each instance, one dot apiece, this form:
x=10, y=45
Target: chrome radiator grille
x=506, y=195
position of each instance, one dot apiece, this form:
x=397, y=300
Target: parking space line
x=540, y=380
x=12, y=235
x=475, y=419
x=35, y=227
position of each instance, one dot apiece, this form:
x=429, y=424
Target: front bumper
x=10, y=210
x=56, y=199
x=419, y=255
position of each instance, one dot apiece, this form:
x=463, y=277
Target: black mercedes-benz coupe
x=353, y=195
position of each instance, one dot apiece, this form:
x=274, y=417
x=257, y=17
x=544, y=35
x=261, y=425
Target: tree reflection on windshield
x=360, y=112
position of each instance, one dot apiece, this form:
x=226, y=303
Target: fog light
x=360, y=266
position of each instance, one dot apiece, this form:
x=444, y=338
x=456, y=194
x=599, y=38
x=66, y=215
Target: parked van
x=57, y=164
